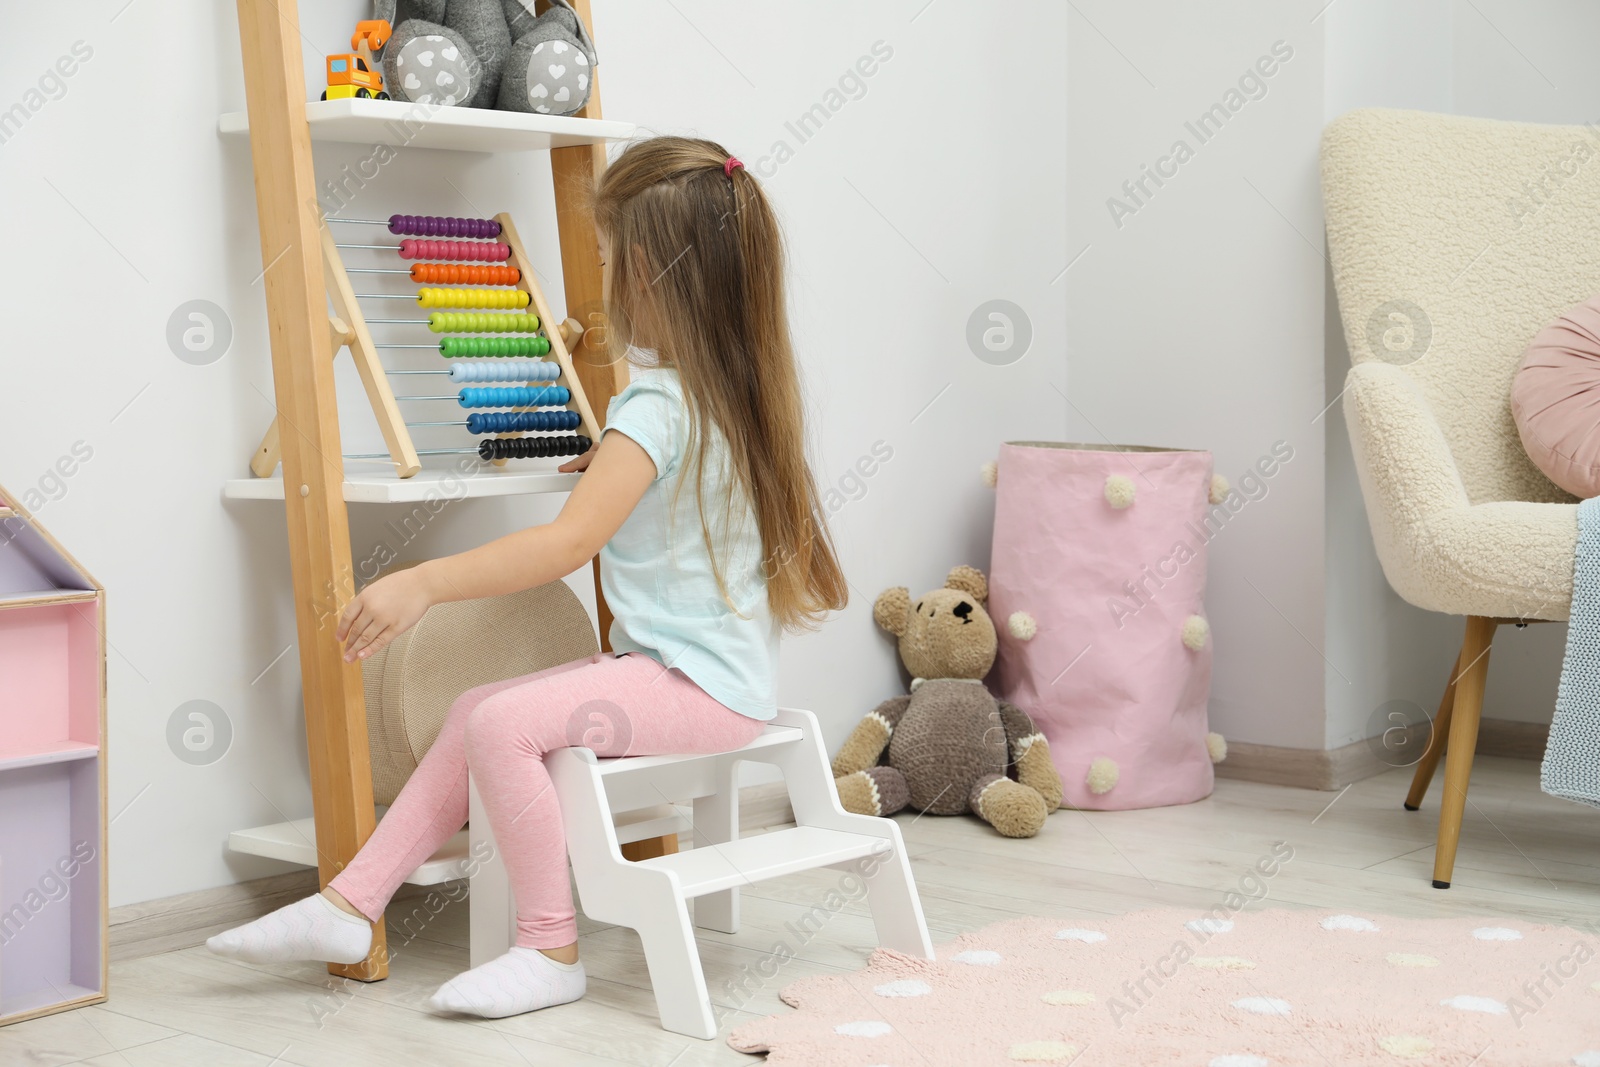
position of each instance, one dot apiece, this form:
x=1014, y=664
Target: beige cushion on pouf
x=411, y=683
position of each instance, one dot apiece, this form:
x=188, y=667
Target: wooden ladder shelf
x=303, y=273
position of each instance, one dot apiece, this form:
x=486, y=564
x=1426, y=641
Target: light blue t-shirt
x=657, y=574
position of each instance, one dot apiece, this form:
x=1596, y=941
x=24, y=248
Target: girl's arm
x=617, y=477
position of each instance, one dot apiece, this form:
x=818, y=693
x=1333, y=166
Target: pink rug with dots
x=1257, y=989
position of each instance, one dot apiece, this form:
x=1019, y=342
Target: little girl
x=711, y=540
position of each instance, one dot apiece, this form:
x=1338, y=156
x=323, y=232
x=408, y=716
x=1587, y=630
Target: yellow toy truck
x=355, y=74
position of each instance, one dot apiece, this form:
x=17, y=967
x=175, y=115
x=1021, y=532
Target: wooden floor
x=1523, y=854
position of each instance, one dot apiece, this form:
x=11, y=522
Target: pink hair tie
x=727, y=168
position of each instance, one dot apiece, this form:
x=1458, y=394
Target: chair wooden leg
x=1467, y=707
x=650, y=848
x=1441, y=729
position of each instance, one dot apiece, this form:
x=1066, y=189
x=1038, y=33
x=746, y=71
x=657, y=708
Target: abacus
x=480, y=295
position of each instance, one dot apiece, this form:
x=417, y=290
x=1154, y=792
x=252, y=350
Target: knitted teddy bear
x=949, y=746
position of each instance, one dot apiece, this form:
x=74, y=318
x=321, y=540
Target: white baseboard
x=1310, y=768
x=169, y=923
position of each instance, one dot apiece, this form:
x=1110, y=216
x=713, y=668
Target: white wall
x=919, y=199
x=1528, y=62
x=1500, y=59
x=1195, y=320
x=1393, y=658
x=1196, y=323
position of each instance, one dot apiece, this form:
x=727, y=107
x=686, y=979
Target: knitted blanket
x=1571, y=767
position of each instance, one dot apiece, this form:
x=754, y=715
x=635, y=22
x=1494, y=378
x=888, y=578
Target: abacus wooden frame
x=349, y=330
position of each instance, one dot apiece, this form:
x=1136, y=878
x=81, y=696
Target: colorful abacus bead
x=515, y=396
x=464, y=274
x=437, y=226
x=482, y=322
x=462, y=347
x=480, y=251
x=533, y=447
x=514, y=370
x=521, y=421
x=497, y=299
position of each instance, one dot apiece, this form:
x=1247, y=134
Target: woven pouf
x=410, y=684
x=1096, y=587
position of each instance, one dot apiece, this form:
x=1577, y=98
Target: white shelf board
x=33, y=598
x=769, y=855
x=296, y=841
x=459, y=129
x=54, y=752
x=769, y=737
x=385, y=487
x=58, y=994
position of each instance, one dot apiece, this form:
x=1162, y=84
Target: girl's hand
x=582, y=462
x=382, y=612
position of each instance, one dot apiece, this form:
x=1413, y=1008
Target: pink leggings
x=618, y=706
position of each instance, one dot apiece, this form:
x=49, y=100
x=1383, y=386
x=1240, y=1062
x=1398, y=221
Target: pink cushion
x=1555, y=400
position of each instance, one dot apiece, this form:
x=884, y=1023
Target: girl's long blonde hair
x=696, y=270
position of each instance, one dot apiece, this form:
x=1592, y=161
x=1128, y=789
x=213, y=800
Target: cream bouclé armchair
x=1453, y=242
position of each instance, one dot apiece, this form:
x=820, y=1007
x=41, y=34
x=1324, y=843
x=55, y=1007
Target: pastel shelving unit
x=52, y=774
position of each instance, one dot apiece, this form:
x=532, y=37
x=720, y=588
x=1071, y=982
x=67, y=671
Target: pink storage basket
x=1096, y=587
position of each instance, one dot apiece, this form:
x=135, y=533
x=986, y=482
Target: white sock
x=524, y=979
x=309, y=929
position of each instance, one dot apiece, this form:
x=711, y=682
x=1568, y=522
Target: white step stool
x=608, y=802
